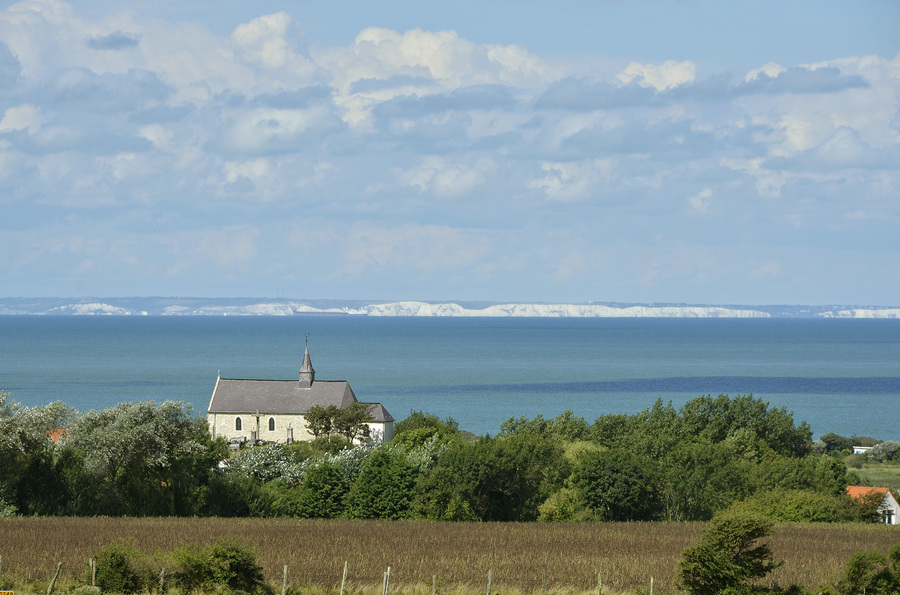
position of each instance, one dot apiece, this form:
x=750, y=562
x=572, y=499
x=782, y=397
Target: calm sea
x=839, y=375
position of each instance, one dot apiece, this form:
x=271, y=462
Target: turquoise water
x=838, y=375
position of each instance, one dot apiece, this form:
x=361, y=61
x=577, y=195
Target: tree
x=867, y=573
x=384, y=487
x=835, y=443
x=727, y=555
x=713, y=420
x=320, y=420
x=418, y=420
x=322, y=492
x=30, y=480
x=144, y=459
x=618, y=486
x=492, y=479
x=701, y=479
x=566, y=426
x=350, y=421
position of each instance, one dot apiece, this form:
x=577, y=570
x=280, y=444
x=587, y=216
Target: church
x=274, y=410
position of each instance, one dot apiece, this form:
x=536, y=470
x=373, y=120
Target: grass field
x=521, y=556
x=885, y=475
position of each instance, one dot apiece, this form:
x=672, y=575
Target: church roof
x=379, y=413
x=306, y=366
x=278, y=396
x=287, y=397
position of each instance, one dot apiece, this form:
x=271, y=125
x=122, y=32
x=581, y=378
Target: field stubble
x=521, y=556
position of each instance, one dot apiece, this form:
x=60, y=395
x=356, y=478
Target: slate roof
x=277, y=396
x=379, y=413
x=285, y=397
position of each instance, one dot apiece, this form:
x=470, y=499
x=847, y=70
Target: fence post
x=599, y=585
x=344, y=578
x=55, y=576
x=490, y=576
x=162, y=580
x=387, y=581
x=651, y=585
x=93, y=572
x=544, y=582
x=284, y=581
x=433, y=584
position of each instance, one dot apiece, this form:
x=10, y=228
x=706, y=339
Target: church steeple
x=307, y=373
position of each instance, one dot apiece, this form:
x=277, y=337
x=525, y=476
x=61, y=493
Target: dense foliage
x=728, y=556
x=663, y=463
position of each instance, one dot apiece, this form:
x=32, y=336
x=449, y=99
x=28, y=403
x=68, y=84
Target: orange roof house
x=55, y=434
x=889, y=507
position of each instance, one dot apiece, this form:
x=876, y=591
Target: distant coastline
x=174, y=306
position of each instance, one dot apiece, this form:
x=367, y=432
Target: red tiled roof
x=56, y=434
x=857, y=492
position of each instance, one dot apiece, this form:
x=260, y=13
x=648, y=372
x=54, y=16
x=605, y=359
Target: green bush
x=617, y=485
x=866, y=572
x=564, y=506
x=384, y=487
x=226, y=565
x=799, y=506
x=118, y=569
x=727, y=556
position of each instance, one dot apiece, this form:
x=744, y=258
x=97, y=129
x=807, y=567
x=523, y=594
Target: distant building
x=889, y=507
x=861, y=450
x=275, y=410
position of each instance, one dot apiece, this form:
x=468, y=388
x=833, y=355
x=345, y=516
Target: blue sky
x=636, y=151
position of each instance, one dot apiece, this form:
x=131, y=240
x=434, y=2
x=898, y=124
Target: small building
x=274, y=410
x=889, y=508
x=861, y=450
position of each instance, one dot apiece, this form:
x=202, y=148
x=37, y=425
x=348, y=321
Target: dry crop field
x=521, y=556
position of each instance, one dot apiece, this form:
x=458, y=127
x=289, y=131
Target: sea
x=839, y=376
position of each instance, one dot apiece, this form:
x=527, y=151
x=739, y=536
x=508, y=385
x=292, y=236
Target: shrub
x=226, y=564
x=384, y=487
x=563, y=506
x=885, y=451
x=117, y=569
x=798, y=506
x=617, y=486
x=727, y=556
x=866, y=572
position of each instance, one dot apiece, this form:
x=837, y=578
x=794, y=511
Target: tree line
x=158, y=459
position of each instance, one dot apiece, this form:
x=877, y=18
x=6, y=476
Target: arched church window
x=237, y=424
x=271, y=424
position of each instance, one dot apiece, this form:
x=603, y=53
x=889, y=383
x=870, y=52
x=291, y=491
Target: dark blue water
x=838, y=375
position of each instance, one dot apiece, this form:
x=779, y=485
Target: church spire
x=307, y=373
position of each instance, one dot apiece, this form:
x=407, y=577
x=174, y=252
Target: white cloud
x=573, y=181
x=267, y=129
x=428, y=62
x=700, y=201
x=445, y=179
x=23, y=117
x=770, y=69
x=663, y=76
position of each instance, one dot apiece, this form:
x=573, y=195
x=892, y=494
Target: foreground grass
x=522, y=557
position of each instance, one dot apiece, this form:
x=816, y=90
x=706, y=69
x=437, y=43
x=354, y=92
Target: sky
x=640, y=151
